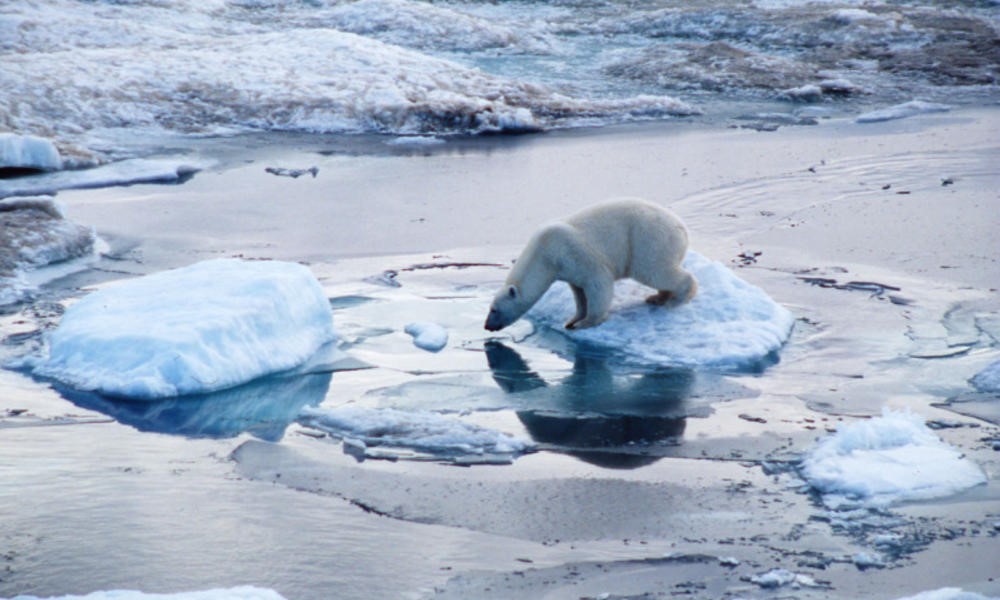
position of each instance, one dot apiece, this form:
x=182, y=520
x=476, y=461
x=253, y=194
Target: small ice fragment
x=867, y=560
x=774, y=578
x=429, y=336
x=729, y=561
x=415, y=140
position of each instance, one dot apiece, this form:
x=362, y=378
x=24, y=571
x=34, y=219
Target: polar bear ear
x=512, y=292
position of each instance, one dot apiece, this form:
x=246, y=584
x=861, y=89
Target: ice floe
x=730, y=324
x=988, y=380
x=902, y=111
x=886, y=460
x=28, y=152
x=206, y=327
x=423, y=431
x=429, y=336
x=236, y=593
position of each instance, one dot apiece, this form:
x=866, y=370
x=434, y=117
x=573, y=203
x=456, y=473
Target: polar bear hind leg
x=673, y=289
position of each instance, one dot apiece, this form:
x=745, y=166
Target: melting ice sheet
x=126, y=172
x=237, y=593
x=886, y=460
x=729, y=325
x=202, y=328
x=902, y=111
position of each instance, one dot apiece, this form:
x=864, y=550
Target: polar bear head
x=508, y=306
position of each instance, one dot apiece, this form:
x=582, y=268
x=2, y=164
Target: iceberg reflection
x=263, y=408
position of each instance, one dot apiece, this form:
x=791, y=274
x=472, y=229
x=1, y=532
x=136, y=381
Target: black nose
x=493, y=321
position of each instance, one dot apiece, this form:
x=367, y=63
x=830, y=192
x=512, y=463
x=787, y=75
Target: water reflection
x=605, y=419
x=263, y=408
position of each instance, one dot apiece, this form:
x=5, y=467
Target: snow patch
x=887, y=460
x=902, y=111
x=730, y=324
x=28, y=152
x=988, y=380
x=237, y=593
x=423, y=431
x=429, y=336
x=207, y=327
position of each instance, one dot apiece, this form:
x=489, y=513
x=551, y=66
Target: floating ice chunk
x=902, y=111
x=425, y=431
x=429, y=336
x=885, y=460
x=415, y=140
x=988, y=380
x=776, y=578
x=202, y=328
x=28, y=152
x=729, y=324
x=949, y=593
x=237, y=593
x=867, y=560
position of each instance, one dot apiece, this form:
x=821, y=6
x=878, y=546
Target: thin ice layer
x=729, y=324
x=419, y=430
x=887, y=460
x=202, y=328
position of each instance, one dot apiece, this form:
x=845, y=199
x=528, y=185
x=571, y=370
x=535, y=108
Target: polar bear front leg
x=597, y=296
x=581, y=306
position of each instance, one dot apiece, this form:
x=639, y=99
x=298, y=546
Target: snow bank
x=429, y=336
x=28, y=152
x=886, y=460
x=237, y=593
x=902, y=111
x=424, y=431
x=988, y=380
x=729, y=324
x=428, y=26
x=202, y=328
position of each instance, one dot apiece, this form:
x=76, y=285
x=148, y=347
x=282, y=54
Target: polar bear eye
x=512, y=292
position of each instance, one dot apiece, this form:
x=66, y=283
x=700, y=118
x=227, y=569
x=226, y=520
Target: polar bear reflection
x=602, y=419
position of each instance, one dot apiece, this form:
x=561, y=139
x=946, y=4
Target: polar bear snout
x=494, y=321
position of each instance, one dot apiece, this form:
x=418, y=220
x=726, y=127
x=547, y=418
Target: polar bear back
x=638, y=239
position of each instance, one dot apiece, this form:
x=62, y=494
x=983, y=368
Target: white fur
x=589, y=251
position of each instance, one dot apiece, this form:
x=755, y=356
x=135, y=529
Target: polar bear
x=590, y=250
